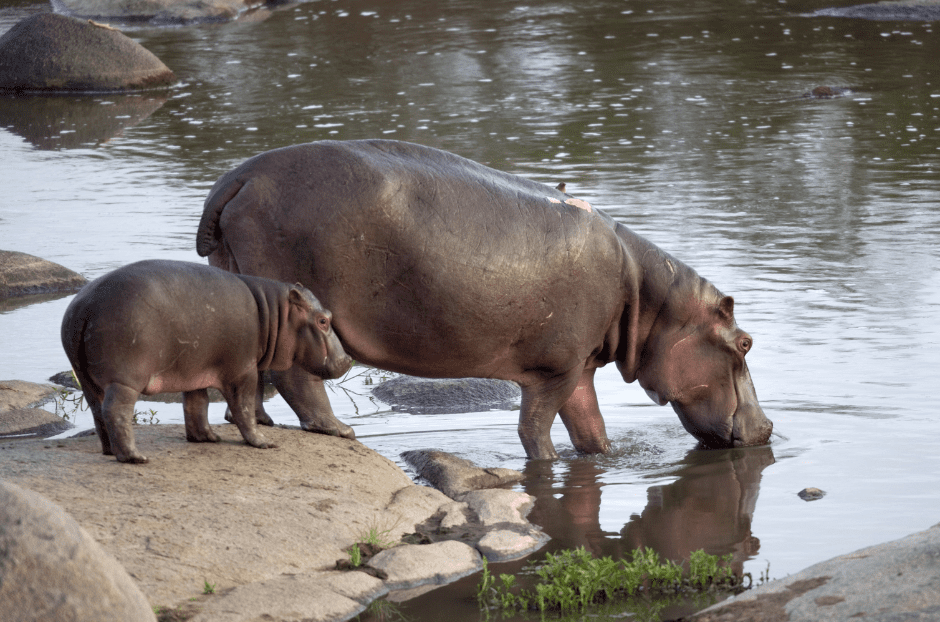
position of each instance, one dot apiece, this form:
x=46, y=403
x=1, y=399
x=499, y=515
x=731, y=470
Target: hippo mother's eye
x=324, y=323
x=744, y=345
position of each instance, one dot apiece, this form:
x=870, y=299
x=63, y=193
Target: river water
x=685, y=121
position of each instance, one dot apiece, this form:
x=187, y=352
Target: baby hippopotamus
x=158, y=326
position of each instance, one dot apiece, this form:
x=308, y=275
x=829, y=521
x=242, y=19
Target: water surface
x=684, y=120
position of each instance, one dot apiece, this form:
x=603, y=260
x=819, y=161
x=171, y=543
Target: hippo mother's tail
x=208, y=236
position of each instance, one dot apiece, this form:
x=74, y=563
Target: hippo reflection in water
x=437, y=266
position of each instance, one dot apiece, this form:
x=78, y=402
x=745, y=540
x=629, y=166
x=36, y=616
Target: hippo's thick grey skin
x=157, y=326
x=440, y=267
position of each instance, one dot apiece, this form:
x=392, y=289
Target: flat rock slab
x=306, y=597
x=895, y=581
x=22, y=274
x=414, y=565
x=437, y=396
x=225, y=513
x=48, y=52
x=455, y=476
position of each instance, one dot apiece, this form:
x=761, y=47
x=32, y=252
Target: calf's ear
x=296, y=297
x=726, y=308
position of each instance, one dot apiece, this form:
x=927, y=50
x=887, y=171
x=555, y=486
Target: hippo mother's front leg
x=540, y=403
x=582, y=417
x=305, y=394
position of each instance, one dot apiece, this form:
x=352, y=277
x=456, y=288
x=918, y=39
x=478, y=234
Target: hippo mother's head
x=694, y=360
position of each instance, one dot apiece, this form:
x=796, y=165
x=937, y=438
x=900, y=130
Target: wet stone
x=454, y=476
x=435, y=396
x=811, y=494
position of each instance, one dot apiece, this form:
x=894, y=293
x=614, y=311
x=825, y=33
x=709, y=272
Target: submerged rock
x=22, y=275
x=50, y=52
x=434, y=396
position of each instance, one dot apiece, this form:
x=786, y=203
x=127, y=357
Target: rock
x=414, y=565
x=827, y=92
x=905, y=10
x=455, y=476
x=22, y=274
x=428, y=396
x=454, y=515
x=502, y=545
x=889, y=582
x=499, y=506
x=19, y=415
x=51, y=52
x=157, y=11
x=307, y=597
x=52, y=570
x=225, y=512
x=811, y=494
x=415, y=504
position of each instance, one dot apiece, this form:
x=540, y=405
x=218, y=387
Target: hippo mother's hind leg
x=582, y=416
x=305, y=394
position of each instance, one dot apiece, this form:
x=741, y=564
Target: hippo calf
x=437, y=266
x=160, y=326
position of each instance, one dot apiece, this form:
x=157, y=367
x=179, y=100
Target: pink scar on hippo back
x=574, y=203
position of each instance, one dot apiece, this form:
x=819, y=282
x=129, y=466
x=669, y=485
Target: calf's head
x=316, y=347
x=694, y=360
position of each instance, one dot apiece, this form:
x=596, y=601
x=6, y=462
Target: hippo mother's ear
x=726, y=308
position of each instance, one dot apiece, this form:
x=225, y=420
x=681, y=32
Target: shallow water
x=683, y=120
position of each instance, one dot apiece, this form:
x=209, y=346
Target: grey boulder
x=889, y=582
x=52, y=570
x=22, y=274
x=48, y=52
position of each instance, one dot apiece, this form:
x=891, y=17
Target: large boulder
x=22, y=274
x=158, y=11
x=52, y=570
x=50, y=52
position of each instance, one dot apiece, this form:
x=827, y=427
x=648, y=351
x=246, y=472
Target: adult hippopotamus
x=437, y=266
x=157, y=326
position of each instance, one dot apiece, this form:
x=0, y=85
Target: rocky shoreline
x=257, y=524
x=272, y=532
